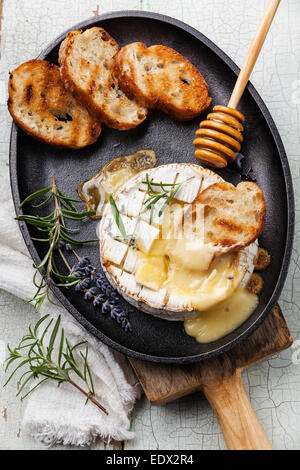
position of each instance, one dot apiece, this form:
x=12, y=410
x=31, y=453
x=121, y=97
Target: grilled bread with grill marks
x=160, y=77
x=40, y=105
x=233, y=216
x=87, y=61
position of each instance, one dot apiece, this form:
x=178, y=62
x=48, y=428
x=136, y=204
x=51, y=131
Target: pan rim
x=285, y=169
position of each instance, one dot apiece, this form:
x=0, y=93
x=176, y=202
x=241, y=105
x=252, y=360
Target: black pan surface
x=32, y=165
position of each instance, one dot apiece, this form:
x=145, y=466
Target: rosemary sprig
x=54, y=225
x=38, y=358
x=118, y=218
x=168, y=191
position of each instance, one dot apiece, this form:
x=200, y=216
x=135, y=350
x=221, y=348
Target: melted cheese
x=93, y=192
x=223, y=318
x=97, y=191
x=183, y=264
x=180, y=261
x=203, y=289
x=192, y=255
x=183, y=246
x=187, y=273
x=113, y=181
x=151, y=271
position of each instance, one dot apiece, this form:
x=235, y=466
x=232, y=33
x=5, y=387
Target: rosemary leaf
x=36, y=194
x=61, y=346
x=43, y=203
x=78, y=215
x=172, y=195
x=168, y=192
x=52, y=338
x=117, y=217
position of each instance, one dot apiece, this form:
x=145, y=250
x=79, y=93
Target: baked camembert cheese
x=164, y=266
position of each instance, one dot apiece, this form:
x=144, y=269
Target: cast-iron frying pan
x=32, y=165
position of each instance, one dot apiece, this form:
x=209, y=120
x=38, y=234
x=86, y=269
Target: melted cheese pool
x=223, y=318
x=201, y=289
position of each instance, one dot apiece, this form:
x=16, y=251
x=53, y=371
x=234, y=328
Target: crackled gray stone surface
x=27, y=26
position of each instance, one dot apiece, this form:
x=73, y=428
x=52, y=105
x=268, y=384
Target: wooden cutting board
x=220, y=380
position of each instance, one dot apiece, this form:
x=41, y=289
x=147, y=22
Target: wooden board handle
x=253, y=52
x=240, y=426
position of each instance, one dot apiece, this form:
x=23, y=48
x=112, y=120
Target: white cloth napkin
x=58, y=415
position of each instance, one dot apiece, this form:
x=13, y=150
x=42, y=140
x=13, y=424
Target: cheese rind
x=128, y=283
x=190, y=189
x=152, y=297
x=145, y=234
x=132, y=203
x=114, y=232
x=113, y=251
x=130, y=260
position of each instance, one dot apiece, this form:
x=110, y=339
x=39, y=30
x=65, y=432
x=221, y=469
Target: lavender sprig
x=95, y=287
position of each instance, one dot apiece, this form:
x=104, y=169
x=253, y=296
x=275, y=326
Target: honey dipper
x=220, y=135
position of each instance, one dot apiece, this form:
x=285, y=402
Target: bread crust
x=86, y=90
x=44, y=109
x=243, y=225
x=173, y=84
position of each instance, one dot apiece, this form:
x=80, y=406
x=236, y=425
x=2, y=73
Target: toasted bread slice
x=40, y=105
x=87, y=62
x=233, y=216
x=160, y=77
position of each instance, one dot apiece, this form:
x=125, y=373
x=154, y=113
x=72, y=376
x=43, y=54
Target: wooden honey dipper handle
x=253, y=52
x=220, y=135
